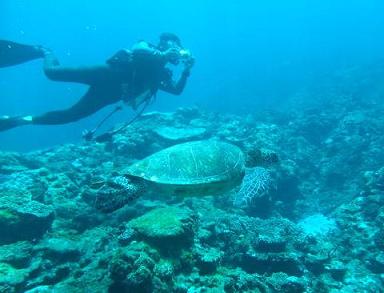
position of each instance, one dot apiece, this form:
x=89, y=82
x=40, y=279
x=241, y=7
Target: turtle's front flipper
x=12, y=53
x=117, y=193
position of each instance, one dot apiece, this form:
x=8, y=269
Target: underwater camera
x=185, y=54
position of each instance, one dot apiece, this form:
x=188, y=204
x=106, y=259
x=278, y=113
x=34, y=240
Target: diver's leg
x=87, y=75
x=91, y=102
x=12, y=53
x=94, y=100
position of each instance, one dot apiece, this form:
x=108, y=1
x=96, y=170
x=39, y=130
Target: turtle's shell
x=205, y=167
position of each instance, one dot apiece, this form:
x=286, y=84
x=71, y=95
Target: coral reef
x=308, y=216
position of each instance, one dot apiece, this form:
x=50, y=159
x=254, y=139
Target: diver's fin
x=12, y=53
x=7, y=122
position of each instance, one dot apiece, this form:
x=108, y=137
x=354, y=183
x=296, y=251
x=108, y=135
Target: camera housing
x=184, y=54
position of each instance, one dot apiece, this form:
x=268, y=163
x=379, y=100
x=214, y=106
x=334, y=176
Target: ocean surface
x=265, y=175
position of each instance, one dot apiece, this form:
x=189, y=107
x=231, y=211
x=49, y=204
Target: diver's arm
x=175, y=88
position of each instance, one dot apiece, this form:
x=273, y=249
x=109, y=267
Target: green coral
x=7, y=215
x=164, y=223
x=11, y=276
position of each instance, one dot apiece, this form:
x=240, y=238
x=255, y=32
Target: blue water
x=249, y=54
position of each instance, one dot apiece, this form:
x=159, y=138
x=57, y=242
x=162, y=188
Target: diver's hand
x=171, y=54
x=188, y=64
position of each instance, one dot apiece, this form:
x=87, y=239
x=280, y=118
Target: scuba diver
x=133, y=76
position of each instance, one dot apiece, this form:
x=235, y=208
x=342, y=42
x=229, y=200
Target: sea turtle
x=205, y=167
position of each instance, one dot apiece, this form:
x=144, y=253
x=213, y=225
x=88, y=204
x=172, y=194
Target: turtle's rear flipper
x=12, y=53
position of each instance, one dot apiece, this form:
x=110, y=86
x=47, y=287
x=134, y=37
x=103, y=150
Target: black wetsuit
x=127, y=75
x=124, y=76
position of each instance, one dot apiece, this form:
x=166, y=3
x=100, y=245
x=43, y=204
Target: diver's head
x=171, y=42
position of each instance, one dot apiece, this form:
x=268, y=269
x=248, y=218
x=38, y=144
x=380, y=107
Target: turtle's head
x=261, y=157
x=117, y=192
